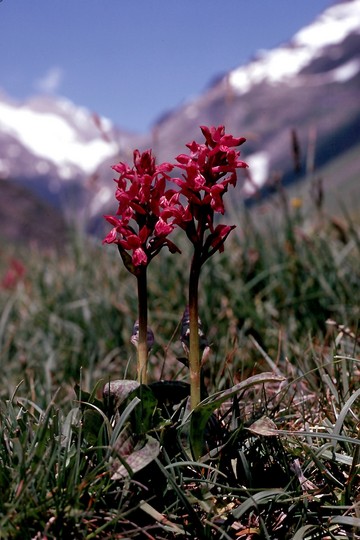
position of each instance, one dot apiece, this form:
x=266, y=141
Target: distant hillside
x=26, y=219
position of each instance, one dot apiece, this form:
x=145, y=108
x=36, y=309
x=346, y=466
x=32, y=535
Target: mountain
x=310, y=85
x=58, y=149
x=303, y=93
x=26, y=219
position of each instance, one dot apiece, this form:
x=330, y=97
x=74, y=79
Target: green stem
x=142, y=351
x=194, y=352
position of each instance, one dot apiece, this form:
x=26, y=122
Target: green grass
x=280, y=456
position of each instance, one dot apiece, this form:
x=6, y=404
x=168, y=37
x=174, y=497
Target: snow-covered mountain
x=56, y=132
x=54, y=147
x=310, y=85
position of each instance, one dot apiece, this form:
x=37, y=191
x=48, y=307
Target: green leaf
x=341, y=418
x=303, y=532
x=124, y=417
x=261, y=497
x=143, y=415
x=93, y=423
x=201, y=414
x=72, y=420
x=346, y=520
x=87, y=397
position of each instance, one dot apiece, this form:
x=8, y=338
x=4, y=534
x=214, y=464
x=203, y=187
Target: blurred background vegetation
x=287, y=270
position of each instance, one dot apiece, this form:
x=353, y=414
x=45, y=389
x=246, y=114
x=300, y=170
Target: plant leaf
x=343, y=413
x=346, y=520
x=87, y=398
x=264, y=427
x=92, y=426
x=119, y=390
x=136, y=456
x=72, y=419
x=201, y=414
x=258, y=498
x=303, y=532
x=143, y=414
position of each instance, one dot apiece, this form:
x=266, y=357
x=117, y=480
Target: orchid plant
x=152, y=204
x=140, y=231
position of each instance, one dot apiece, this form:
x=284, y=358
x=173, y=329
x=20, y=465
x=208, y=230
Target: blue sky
x=132, y=60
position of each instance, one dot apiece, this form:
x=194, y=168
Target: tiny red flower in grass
x=140, y=227
x=14, y=274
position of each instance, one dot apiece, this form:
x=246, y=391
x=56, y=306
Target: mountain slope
x=26, y=219
x=54, y=147
x=311, y=85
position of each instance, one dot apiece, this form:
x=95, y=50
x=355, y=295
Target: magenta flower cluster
x=149, y=210
x=140, y=226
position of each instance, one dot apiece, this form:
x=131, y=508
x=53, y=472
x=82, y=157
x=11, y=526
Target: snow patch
x=259, y=165
x=332, y=27
x=286, y=61
x=346, y=72
x=103, y=196
x=50, y=137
